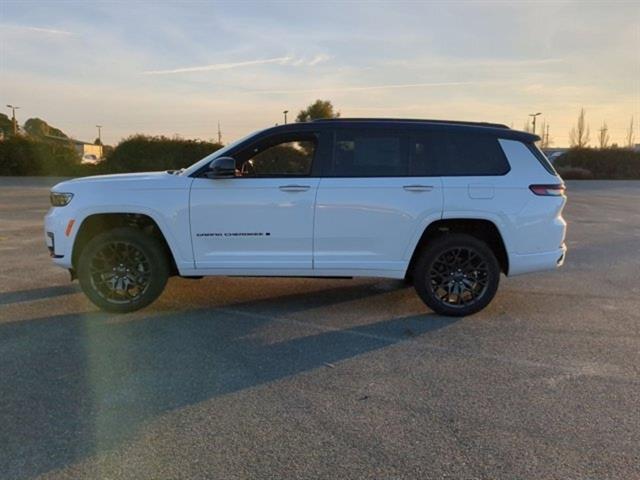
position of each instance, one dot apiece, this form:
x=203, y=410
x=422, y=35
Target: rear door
x=370, y=210
x=477, y=179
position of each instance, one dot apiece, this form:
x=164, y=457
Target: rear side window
x=457, y=154
x=368, y=154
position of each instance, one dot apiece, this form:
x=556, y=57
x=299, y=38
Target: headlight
x=60, y=199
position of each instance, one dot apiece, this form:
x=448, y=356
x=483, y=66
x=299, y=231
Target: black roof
x=413, y=120
x=498, y=129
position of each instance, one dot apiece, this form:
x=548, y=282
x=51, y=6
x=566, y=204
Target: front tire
x=457, y=275
x=123, y=270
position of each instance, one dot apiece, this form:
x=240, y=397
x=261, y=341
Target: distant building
x=85, y=148
x=89, y=152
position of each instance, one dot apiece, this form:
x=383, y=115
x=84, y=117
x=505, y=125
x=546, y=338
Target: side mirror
x=223, y=167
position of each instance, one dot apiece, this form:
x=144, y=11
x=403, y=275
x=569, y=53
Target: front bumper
x=50, y=240
x=58, y=236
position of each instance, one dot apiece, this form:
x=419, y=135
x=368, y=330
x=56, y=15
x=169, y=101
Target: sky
x=158, y=67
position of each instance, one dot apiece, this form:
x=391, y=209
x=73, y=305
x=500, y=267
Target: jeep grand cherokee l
x=447, y=205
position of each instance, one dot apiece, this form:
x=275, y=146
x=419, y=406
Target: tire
x=123, y=270
x=456, y=275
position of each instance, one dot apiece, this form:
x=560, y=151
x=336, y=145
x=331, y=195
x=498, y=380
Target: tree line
x=580, y=134
x=42, y=150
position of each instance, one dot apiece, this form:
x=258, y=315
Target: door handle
x=418, y=188
x=294, y=188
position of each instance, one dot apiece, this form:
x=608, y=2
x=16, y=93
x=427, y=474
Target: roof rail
x=414, y=120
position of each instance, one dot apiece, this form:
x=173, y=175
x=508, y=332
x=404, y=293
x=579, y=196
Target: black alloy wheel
x=457, y=275
x=123, y=270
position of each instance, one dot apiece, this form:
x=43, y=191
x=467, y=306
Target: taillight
x=556, y=190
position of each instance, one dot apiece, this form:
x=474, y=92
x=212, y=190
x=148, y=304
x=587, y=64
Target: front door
x=262, y=219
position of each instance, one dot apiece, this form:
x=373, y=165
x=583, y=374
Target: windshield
x=218, y=153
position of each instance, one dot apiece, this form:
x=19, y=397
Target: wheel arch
x=96, y=223
x=483, y=229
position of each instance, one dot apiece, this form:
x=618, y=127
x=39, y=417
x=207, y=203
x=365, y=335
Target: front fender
x=173, y=224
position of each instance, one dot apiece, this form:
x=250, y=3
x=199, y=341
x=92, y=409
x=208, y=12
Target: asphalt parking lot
x=338, y=379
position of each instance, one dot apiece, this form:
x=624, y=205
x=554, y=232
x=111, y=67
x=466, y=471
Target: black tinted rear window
x=361, y=153
x=456, y=154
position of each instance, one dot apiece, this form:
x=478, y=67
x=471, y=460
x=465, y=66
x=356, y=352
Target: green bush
x=574, y=173
x=610, y=163
x=140, y=153
x=26, y=156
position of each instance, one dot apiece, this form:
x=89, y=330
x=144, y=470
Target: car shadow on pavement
x=30, y=295
x=80, y=384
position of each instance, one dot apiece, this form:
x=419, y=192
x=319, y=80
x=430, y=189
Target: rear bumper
x=537, y=262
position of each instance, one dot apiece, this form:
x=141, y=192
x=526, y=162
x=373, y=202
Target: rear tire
x=123, y=270
x=456, y=275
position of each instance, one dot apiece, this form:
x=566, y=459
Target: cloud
x=320, y=58
x=286, y=60
x=444, y=63
x=219, y=66
x=46, y=31
x=361, y=88
x=496, y=62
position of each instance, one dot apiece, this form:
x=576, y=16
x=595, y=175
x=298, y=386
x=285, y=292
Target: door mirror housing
x=223, y=167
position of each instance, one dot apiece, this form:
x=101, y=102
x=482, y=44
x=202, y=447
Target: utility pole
x=99, y=127
x=13, y=118
x=546, y=140
x=534, y=115
x=285, y=116
x=219, y=134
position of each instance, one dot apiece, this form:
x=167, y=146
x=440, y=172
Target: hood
x=119, y=177
x=143, y=180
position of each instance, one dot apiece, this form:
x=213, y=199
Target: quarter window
x=457, y=154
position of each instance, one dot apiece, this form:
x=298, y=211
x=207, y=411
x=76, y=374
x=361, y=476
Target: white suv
x=445, y=205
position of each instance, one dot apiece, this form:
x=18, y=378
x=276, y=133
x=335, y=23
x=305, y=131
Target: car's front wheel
x=457, y=275
x=123, y=270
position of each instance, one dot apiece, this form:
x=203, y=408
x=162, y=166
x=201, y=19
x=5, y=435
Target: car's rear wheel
x=123, y=270
x=457, y=275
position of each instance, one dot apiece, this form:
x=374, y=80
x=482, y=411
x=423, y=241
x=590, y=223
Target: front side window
x=368, y=154
x=285, y=157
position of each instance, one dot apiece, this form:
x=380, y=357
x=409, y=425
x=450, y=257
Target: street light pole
x=534, y=115
x=99, y=127
x=13, y=118
x=285, y=116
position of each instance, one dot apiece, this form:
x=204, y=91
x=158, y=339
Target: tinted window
x=368, y=154
x=457, y=154
x=275, y=158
